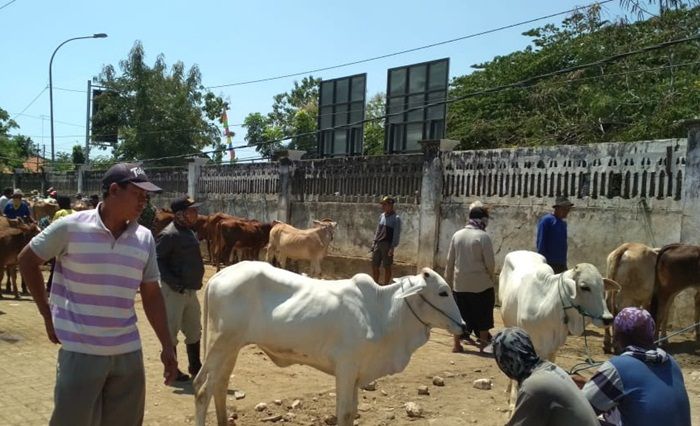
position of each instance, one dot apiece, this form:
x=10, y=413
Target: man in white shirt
x=5, y=198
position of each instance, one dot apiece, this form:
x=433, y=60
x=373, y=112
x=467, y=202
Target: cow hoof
x=17, y=297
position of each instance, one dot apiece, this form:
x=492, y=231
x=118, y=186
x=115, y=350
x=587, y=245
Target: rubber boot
x=181, y=377
x=193, y=358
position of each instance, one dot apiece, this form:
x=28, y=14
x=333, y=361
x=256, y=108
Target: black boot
x=193, y=358
x=181, y=377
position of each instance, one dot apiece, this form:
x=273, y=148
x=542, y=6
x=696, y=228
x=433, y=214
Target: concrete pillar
x=690, y=220
x=81, y=176
x=284, y=196
x=193, y=168
x=430, y=199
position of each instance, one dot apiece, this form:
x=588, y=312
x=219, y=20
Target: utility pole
x=87, y=124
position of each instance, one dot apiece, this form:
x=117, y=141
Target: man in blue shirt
x=16, y=208
x=643, y=385
x=552, y=235
x=386, y=238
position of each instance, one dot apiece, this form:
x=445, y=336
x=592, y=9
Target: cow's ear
x=611, y=285
x=409, y=287
x=570, y=287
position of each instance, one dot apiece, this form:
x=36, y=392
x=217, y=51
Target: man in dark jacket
x=182, y=269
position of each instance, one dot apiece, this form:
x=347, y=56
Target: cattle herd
x=359, y=331
x=232, y=238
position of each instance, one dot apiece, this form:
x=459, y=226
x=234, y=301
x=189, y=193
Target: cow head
x=583, y=290
x=328, y=227
x=430, y=298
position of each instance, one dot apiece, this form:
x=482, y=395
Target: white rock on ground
x=483, y=384
x=413, y=409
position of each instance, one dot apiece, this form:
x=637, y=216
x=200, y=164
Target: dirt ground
x=27, y=362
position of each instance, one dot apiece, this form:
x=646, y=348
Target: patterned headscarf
x=634, y=327
x=515, y=354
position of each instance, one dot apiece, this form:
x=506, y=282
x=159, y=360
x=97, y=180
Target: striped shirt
x=95, y=281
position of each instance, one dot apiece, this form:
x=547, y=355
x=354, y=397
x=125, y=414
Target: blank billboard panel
x=409, y=89
x=105, y=121
x=341, y=110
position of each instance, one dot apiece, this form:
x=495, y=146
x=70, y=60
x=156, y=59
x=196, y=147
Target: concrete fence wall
x=646, y=192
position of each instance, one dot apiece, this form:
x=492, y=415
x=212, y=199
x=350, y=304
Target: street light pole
x=98, y=35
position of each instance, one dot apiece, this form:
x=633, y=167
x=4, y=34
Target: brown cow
x=42, y=208
x=243, y=235
x=210, y=234
x=162, y=219
x=288, y=242
x=12, y=241
x=677, y=268
x=632, y=266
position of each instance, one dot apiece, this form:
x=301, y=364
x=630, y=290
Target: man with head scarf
x=547, y=396
x=643, y=383
x=469, y=271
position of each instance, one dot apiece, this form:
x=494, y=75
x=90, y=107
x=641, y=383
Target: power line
x=473, y=35
x=32, y=102
x=45, y=117
x=419, y=105
x=519, y=84
x=69, y=90
x=402, y=52
x=7, y=4
x=522, y=84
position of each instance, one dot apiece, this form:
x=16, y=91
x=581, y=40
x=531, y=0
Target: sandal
x=457, y=349
x=486, y=349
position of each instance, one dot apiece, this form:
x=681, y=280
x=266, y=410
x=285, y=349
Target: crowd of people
x=106, y=255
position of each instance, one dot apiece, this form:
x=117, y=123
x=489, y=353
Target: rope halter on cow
x=405, y=299
x=589, y=360
x=578, y=308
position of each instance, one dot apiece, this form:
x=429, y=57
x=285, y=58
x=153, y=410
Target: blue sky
x=238, y=41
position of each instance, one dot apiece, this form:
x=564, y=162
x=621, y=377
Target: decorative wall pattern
x=635, y=170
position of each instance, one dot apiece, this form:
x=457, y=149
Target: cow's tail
x=614, y=260
x=654, y=305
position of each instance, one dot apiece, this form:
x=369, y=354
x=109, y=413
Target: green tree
x=257, y=133
x=78, y=155
x=374, y=130
x=159, y=111
x=14, y=149
x=64, y=162
x=638, y=97
x=293, y=113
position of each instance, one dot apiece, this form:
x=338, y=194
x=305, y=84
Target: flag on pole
x=229, y=136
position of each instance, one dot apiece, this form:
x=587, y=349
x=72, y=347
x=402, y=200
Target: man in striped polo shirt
x=103, y=256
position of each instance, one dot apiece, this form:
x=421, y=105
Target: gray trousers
x=94, y=390
x=183, y=312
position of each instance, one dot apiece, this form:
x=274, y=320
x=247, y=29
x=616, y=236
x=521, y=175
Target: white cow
x=352, y=329
x=550, y=306
x=288, y=242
